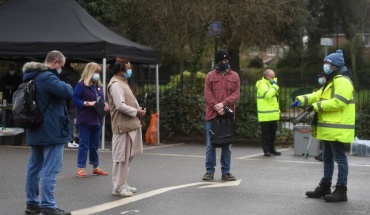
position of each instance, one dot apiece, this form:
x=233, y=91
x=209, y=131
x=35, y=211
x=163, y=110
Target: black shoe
x=208, y=176
x=54, y=211
x=228, y=177
x=320, y=191
x=267, y=154
x=275, y=153
x=32, y=209
x=319, y=157
x=339, y=194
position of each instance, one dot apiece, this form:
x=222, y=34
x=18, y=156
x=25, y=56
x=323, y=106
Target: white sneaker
x=123, y=192
x=73, y=145
x=131, y=189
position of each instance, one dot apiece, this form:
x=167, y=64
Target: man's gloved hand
x=295, y=104
x=310, y=108
x=272, y=81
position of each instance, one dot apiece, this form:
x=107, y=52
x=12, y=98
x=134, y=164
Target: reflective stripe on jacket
x=267, y=101
x=336, y=110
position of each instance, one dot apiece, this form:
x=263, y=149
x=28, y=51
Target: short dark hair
x=119, y=67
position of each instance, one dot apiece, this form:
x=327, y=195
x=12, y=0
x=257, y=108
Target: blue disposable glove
x=295, y=104
x=272, y=81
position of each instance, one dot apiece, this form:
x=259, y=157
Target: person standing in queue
x=86, y=93
x=126, y=127
x=47, y=140
x=221, y=88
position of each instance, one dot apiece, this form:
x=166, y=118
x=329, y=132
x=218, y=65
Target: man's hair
x=266, y=72
x=54, y=55
x=122, y=59
x=120, y=64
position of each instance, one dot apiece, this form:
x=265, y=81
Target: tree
x=179, y=27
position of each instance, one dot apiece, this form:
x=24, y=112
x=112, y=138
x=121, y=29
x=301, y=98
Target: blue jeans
x=211, y=153
x=45, y=163
x=334, y=151
x=89, y=142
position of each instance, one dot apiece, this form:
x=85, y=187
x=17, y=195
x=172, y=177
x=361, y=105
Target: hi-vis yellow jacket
x=336, y=110
x=267, y=101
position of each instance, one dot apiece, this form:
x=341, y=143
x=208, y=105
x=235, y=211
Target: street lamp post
x=214, y=29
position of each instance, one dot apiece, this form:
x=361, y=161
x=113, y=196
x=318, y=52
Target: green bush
x=247, y=125
x=363, y=121
x=182, y=110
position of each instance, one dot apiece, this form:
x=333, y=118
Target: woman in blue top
x=86, y=93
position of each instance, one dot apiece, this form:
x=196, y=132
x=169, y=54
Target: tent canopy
x=32, y=28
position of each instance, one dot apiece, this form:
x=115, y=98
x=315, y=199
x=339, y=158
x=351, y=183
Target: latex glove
x=295, y=104
x=272, y=81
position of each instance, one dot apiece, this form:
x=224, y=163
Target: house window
x=271, y=51
x=366, y=41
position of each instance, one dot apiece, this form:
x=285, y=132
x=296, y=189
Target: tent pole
x=105, y=96
x=157, y=101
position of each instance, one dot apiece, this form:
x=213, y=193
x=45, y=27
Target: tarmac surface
x=169, y=182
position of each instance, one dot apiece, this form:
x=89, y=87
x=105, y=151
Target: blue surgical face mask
x=128, y=73
x=59, y=71
x=96, y=77
x=321, y=81
x=223, y=66
x=327, y=68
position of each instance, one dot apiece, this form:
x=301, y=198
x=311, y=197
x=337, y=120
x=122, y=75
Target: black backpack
x=26, y=113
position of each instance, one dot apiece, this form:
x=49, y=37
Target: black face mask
x=223, y=66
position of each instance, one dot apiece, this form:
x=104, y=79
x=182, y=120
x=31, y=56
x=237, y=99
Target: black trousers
x=268, y=135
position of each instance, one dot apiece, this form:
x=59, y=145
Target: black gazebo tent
x=32, y=28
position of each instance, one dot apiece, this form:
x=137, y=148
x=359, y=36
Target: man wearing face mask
x=126, y=127
x=48, y=139
x=221, y=88
x=9, y=83
x=335, y=106
x=268, y=111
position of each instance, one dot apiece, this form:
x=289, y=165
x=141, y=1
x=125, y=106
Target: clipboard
x=99, y=107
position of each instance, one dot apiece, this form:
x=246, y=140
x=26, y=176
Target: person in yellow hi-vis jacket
x=335, y=106
x=268, y=110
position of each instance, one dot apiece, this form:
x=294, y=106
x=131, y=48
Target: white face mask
x=128, y=73
x=327, y=69
x=59, y=71
x=96, y=77
x=12, y=72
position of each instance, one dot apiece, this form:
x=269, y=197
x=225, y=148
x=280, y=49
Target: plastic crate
x=360, y=147
x=302, y=135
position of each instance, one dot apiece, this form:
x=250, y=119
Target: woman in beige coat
x=126, y=126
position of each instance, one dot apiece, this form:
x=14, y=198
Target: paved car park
x=168, y=179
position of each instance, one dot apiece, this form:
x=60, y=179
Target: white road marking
x=124, y=201
x=163, y=146
x=223, y=184
x=176, y=155
x=135, y=211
